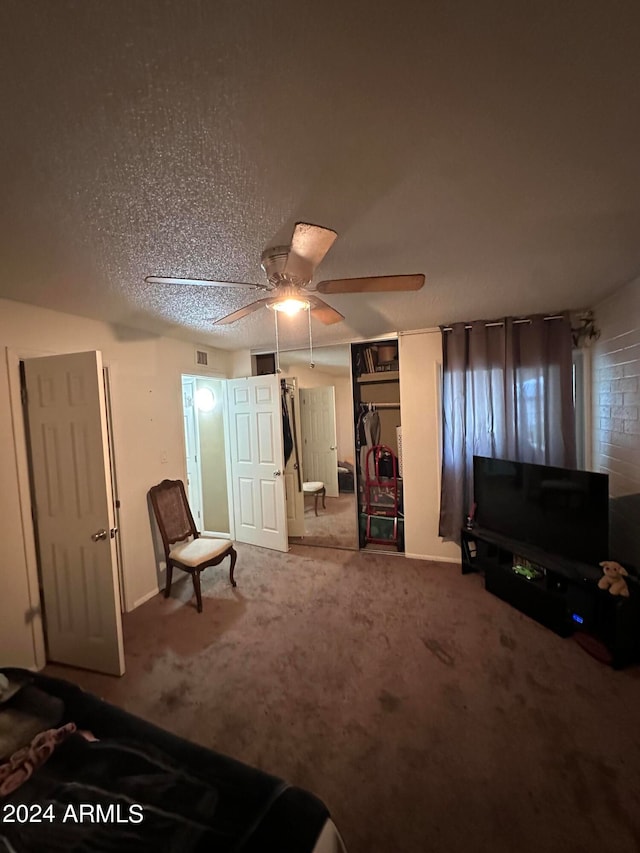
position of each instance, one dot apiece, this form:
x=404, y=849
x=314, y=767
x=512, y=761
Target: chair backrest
x=171, y=509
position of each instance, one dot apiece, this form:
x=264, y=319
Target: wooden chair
x=183, y=545
x=317, y=489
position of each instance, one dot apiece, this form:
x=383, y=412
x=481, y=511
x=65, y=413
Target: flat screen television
x=561, y=510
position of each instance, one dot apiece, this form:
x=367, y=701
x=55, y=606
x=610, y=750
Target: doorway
x=206, y=453
x=319, y=437
x=326, y=441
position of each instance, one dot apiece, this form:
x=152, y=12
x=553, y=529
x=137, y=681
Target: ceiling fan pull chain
x=311, y=363
x=275, y=314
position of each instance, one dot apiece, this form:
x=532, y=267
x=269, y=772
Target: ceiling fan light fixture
x=290, y=305
x=290, y=270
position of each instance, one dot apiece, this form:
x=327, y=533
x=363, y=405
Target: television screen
x=561, y=510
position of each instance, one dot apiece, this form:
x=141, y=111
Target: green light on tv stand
x=527, y=571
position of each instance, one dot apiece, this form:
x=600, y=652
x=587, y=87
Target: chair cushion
x=199, y=550
x=313, y=486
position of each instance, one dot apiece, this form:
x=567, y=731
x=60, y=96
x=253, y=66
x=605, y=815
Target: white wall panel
x=247, y=503
x=243, y=431
x=616, y=416
x=269, y=503
x=266, y=438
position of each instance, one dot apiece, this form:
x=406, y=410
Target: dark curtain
x=507, y=393
x=286, y=426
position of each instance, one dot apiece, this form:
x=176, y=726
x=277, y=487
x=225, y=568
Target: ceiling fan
x=289, y=270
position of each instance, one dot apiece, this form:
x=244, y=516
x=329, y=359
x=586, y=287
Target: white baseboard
x=146, y=597
x=432, y=558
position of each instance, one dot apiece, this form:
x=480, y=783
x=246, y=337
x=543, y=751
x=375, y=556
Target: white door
x=320, y=445
x=293, y=473
x=74, y=511
x=192, y=448
x=257, y=461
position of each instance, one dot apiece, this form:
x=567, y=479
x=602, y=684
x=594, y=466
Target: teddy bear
x=613, y=578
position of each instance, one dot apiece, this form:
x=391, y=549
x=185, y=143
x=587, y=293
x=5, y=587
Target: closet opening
x=378, y=432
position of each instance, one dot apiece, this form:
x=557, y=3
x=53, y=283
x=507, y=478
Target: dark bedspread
x=140, y=788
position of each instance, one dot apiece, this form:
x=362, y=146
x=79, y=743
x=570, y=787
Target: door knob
x=333, y=447
x=101, y=534
x=277, y=473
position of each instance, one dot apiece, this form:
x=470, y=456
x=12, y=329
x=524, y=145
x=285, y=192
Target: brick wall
x=616, y=416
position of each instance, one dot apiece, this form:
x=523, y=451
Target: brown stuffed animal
x=613, y=578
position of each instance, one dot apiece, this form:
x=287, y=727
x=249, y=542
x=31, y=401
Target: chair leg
x=167, y=586
x=195, y=577
x=323, y=493
x=234, y=556
x=315, y=502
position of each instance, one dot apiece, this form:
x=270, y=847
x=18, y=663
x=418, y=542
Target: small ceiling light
x=205, y=400
x=290, y=306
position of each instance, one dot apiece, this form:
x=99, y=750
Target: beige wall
x=420, y=357
x=616, y=415
x=240, y=364
x=148, y=423
x=213, y=463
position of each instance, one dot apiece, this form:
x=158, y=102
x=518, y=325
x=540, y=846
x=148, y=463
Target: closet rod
x=373, y=405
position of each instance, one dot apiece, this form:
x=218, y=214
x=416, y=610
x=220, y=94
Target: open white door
x=257, y=461
x=192, y=450
x=293, y=473
x=74, y=511
x=320, y=444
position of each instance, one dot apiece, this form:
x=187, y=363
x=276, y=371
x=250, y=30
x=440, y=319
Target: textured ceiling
x=491, y=145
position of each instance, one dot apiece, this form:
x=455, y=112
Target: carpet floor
x=426, y=713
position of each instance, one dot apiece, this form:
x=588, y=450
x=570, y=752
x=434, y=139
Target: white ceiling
x=491, y=145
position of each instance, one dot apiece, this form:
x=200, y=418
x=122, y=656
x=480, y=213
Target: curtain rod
x=501, y=322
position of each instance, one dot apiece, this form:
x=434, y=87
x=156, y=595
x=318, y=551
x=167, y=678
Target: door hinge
x=23, y=395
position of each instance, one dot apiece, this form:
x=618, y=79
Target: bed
x=111, y=781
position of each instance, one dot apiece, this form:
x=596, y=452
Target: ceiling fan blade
x=324, y=312
x=204, y=282
x=372, y=284
x=309, y=245
x=241, y=312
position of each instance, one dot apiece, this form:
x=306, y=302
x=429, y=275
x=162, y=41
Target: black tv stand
x=564, y=597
